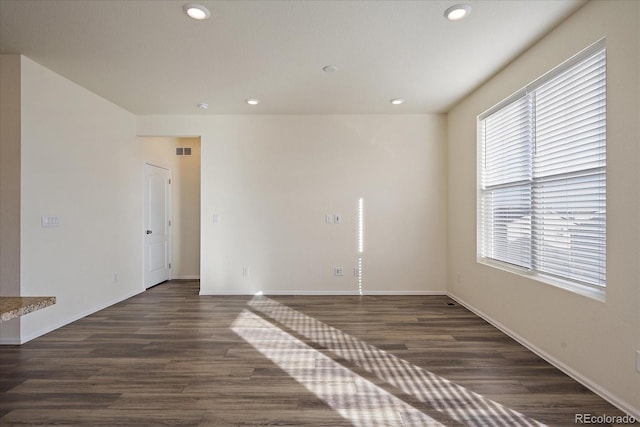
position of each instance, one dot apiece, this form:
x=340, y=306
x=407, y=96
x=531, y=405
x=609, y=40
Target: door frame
x=169, y=216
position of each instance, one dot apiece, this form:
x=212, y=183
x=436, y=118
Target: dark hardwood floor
x=171, y=357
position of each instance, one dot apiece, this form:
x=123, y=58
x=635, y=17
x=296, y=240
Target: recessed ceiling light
x=397, y=101
x=203, y=106
x=253, y=101
x=196, y=11
x=456, y=12
x=329, y=68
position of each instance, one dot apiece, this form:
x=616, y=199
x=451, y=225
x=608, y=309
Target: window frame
x=597, y=292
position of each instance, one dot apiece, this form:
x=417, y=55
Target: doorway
x=181, y=156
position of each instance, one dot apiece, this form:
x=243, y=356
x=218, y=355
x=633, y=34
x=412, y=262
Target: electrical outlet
x=328, y=219
x=115, y=277
x=337, y=218
x=245, y=271
x=338, y=271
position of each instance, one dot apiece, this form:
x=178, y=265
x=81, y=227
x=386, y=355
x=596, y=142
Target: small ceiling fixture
x=196, y=11
x=329, y=68
x=253, y=101
x=203, y=106
x=457, y=12
x=397, y=101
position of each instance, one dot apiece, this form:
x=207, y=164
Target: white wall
x=272, y=179
x=80, y=162
x=10, y=187
x=185, y=199
x=595, y=341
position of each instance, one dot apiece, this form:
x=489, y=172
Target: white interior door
x=157, y=267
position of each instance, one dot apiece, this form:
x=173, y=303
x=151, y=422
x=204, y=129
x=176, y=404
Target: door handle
x=149, y=231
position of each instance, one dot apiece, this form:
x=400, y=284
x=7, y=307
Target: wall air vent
x=183, y=151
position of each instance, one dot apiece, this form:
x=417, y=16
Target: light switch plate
x=49, y=221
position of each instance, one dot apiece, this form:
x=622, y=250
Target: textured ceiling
x=150, y=58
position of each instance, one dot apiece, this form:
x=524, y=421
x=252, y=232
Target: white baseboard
x=50, y=328
x=185, y=277
x=391, y=293
x=596, y=388
x=330, y=293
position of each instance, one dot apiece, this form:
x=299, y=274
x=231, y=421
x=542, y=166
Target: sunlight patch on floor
x=353, y=397
x=446, y=397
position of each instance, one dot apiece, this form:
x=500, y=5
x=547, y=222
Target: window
x=542, y=175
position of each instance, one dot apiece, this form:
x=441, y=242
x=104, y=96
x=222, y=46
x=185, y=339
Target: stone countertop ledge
x=11, y=307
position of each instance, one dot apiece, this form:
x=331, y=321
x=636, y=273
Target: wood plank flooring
x=171, y=357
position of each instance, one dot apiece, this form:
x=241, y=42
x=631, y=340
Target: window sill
x=576, y=288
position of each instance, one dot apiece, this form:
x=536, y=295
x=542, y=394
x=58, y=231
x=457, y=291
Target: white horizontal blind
x=543, y=175
x=507, y=166
x=569, y=202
